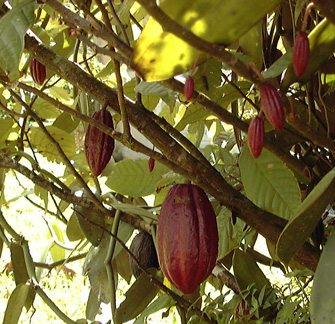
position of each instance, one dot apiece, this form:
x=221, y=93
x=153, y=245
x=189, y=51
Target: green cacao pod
x=187, y=237
x=144, y=250
x=99, y=146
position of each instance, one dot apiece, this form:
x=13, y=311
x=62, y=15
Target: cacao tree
x=107, y=105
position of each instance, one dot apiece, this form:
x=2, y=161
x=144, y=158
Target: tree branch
x=206, y=176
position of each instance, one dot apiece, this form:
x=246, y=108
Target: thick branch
x=267, y=224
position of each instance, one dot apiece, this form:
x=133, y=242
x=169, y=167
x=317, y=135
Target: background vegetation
x=132, y=58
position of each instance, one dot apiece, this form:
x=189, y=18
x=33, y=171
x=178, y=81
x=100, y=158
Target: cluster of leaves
x=132, y=58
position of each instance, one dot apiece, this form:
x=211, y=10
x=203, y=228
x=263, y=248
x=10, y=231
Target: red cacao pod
x=187, y=237
x=301, y=53
x=38, y=71
x=272, y=105
x=98, y=145
x=256, y=136
x=189, y=88
x=151, y=164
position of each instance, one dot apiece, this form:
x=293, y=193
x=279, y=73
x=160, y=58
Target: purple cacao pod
x=301, y=54
x=272, y=105
x=256, y=136
x=187, y=237
x=99, y=147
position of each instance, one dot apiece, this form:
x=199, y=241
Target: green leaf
x=309, y=213
x=160, y=55
x=122, y=265
x=230, y=235
x=19, y=265
x=20, y=271
x=57, y=252
x=252, y=44
x=167, y=95
x=45, y=109
x=96, y=256
x=92, y=232
x=73, y=230
x=279, y=66
x=132, y=178
x=269, y=184
x=161, y=302
x=323, y=292
x=248, y=273
x=92, y=306
x=139, y=295
x=193, y=114
x=13, y=27
x=1, y=241
x=6, y=125
x=150, y=101
x=135, y=210
x=15, y=304
x=47, y=149
x=66, y=122
x=231, y=94
x=322, y=46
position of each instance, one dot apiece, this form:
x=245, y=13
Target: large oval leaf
x=269, y=184
x=13, y=27
x=160, y=55
x=132, y=178
x=87, y=220
x=6, y=125
x=309, y=213
x=323, y=292
x=139, y=295
x=248, y=273
x=15, y=304
x=47, y=149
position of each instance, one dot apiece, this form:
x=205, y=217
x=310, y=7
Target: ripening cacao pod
x=301, y=54
x=256, y=136
x=98, y=145
x=189, y=88
x=38, y=71
x=272, y=105
x=144, y=250
x=151, y=164
x=187, y=237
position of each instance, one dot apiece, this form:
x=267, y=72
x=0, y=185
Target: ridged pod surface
x=187, y=237
x=301, y=53
x=272, y=105
x=38, y=71
x=99, y=147
x=256, y=136
x=189, y=88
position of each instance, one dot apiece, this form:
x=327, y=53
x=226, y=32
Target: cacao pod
x=98, y=145
x=256, y=136
x=272, y=105
x=189, y=88
x=187, y=237
x=144, y=250
x=38, y=71
x=151, y=164
x=301, y=54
